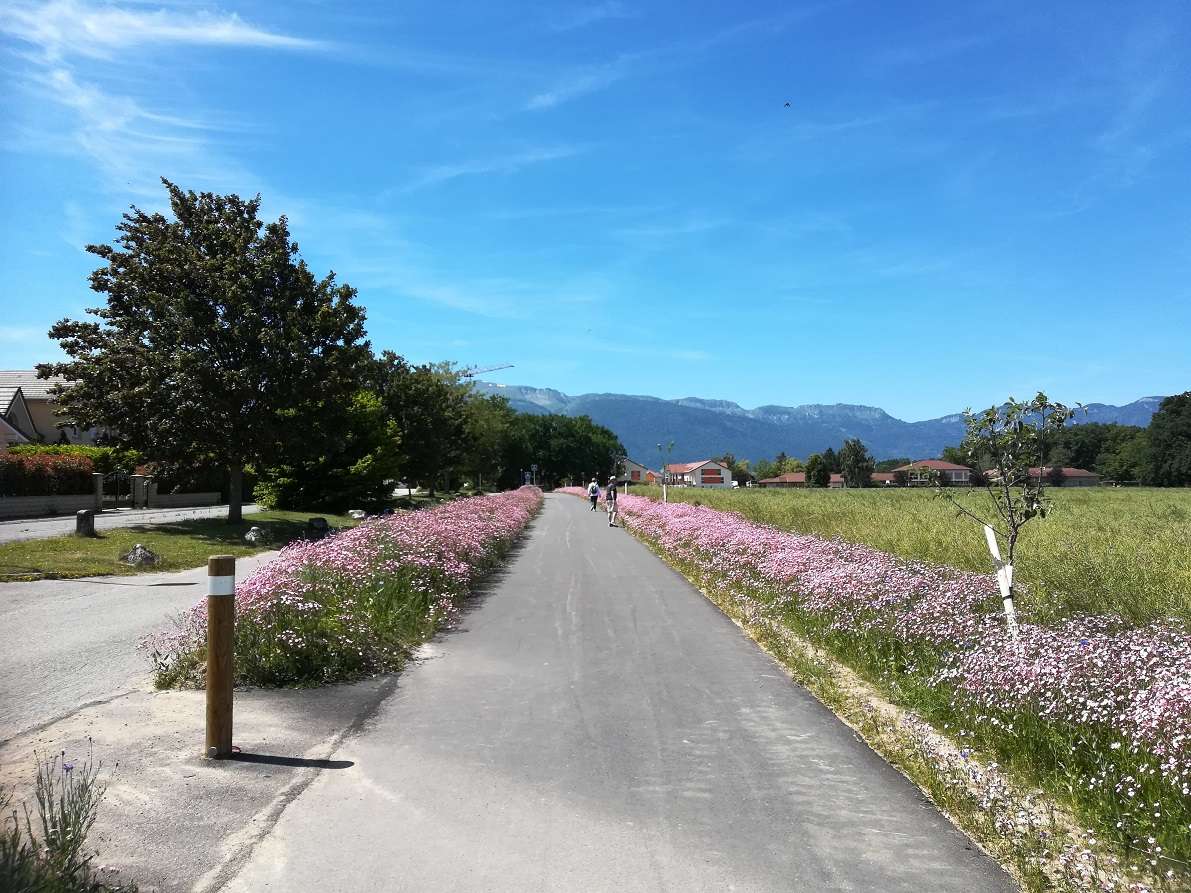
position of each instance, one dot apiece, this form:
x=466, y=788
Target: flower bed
x=356, y=602
x=1096, y=711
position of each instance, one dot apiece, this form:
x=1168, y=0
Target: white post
x=1004, y=580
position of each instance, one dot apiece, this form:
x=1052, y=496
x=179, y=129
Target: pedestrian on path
x=610, y=502
x=593, y=493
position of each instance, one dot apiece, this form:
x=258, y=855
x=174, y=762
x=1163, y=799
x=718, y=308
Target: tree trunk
x=235, y=487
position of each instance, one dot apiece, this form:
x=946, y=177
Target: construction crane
x=473, y=372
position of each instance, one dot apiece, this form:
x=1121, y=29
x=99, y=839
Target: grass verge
x=181, y=545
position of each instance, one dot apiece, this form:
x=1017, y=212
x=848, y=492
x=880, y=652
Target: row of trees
x=217, y=346
x=853, y=462
x=1158, y=455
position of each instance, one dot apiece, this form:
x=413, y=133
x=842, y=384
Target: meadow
x=1101, y=550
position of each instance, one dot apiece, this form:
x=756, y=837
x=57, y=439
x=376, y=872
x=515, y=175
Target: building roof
x=1067, y=472
x=7, y=395
x=688, y=467
x=31, y=386
x=790, y=477
x=882, y=476
x=936, y=464
x=10, y=435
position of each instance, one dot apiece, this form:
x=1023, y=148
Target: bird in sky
x=787, y=103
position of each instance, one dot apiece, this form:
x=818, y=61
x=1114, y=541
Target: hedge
x=107, y=459
x=44, y=474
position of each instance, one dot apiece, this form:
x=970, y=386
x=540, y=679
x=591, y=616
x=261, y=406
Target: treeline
x=219, y=348
x=1157, y=456
x=853, y=462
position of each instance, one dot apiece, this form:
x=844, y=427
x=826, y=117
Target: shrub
x=44, y=474
x=105, y=458
x=356, y=602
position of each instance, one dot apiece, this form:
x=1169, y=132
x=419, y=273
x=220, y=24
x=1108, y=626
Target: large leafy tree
x=1170, y=443
x=429, y=405
x=216, y=340
x=856, y=464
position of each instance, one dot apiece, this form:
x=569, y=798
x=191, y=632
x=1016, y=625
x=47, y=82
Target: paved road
x=66, y=643
x=598, y=725
x=40, y=528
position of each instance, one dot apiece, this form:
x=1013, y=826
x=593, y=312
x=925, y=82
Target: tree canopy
x=216, y=342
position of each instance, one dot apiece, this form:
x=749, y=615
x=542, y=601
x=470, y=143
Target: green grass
x=182, y=545
x=1101, y=550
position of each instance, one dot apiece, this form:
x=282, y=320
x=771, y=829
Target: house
x=14, y=410
x=1072, y=477
x=9, y=436
x=790, y=479
x=884, y=479
x=635, y=472
x=25, y=403
x=922, y=472
x=707, y=473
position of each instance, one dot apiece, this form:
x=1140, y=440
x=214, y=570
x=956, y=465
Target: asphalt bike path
x=596, y=724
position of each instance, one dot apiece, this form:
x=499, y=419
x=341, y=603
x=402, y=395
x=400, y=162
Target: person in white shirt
x=593, y=493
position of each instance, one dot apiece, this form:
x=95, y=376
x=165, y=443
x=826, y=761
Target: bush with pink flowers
x=356, y=602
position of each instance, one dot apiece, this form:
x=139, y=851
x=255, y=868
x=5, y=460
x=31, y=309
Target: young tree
x=791, y=465
x=1016, y=437
x=901, y=478
x=1055, y=476
x=856, y=463
x=216, y=340
x=817, y=473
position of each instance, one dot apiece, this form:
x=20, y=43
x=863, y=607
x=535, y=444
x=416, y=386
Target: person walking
x=610, y=502
x=593, y=493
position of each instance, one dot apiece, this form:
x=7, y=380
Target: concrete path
x=596, y=724
x=66, y=643
x=40, y=528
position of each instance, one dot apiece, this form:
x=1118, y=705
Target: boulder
x=256, y=536
x=140, y=556
x=317, y=528
x=357, y=514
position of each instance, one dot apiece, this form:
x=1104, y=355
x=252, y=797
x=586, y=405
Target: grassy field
x=1101, y=550
x=182, y=545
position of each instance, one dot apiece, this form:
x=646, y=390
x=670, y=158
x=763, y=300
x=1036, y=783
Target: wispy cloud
x=927, y=51
x=64, y=28
x=583, y=16
x=75, y=49
x=495, y=164
x=579, y=84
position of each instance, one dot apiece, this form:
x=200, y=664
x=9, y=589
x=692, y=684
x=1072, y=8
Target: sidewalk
x=41, y=528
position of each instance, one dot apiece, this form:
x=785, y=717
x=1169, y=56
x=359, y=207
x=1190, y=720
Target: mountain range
x=704, y=428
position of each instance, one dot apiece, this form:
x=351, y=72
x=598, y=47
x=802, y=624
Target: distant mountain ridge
x=702, y=428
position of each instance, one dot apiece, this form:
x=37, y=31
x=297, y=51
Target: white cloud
x=496, y=164
x=577, y=85
x=590, y=15
x=65, y=28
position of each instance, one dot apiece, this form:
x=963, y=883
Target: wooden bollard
x=221, y=630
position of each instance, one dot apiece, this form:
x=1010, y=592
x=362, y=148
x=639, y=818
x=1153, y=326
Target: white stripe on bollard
x=221, y=585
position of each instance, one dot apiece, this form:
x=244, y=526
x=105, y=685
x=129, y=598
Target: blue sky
x=963, y=200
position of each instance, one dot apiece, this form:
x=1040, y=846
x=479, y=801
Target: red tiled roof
x=1067, y=472
x=882, y=476
x=688, y=467
x=790, y=477
x=936, y=464
x=837, y=478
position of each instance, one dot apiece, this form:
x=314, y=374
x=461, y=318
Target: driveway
x=67, y=643
x=40, y=528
